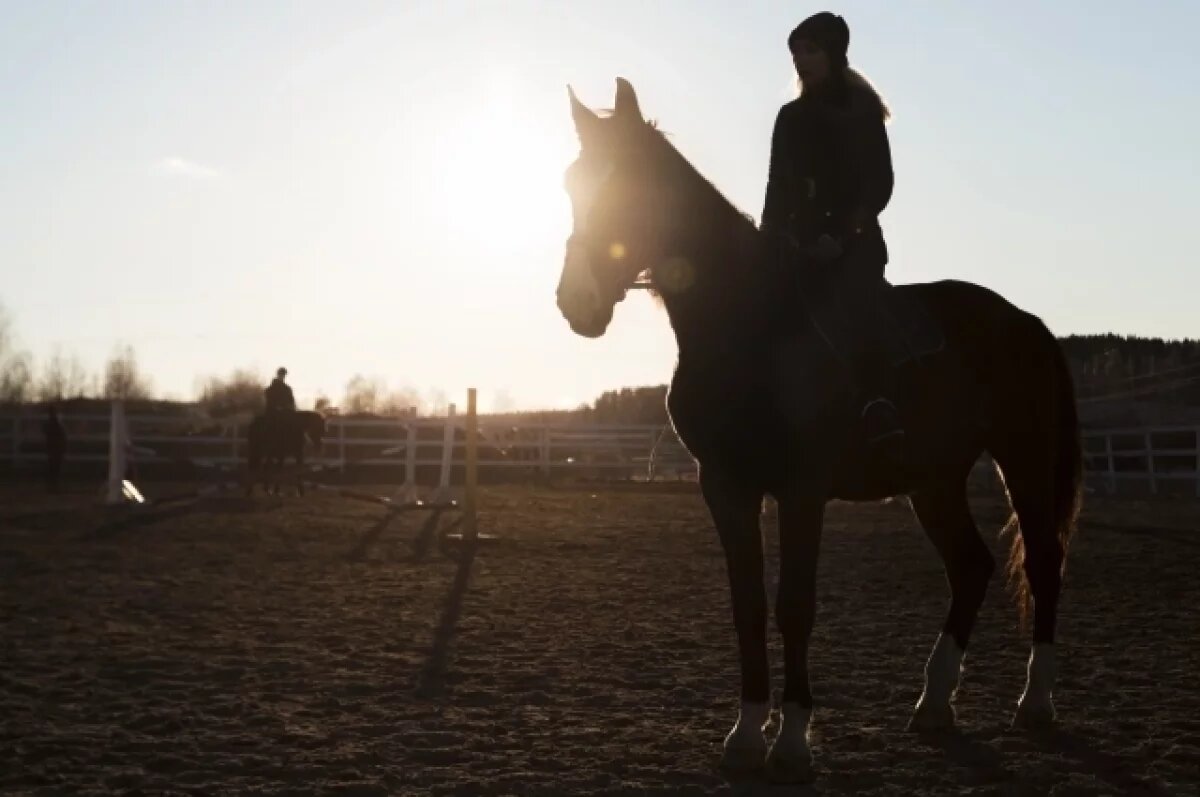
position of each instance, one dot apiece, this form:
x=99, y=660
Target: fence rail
x=629, y=451
x=1154, y=456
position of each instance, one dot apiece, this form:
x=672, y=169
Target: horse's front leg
x=800, y=521
x=735, y=512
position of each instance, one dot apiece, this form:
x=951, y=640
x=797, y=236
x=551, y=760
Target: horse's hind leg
x=947, y=521
x=1038, y=557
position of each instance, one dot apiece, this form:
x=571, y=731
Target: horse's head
x=622, y=202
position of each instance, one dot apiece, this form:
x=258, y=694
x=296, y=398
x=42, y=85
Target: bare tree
x=16, y=378
x=362, y=395
x=63, y=377
x=241, y=392
x=122, y=380
x=400, y=402
x=16, y=368
x=438, y=403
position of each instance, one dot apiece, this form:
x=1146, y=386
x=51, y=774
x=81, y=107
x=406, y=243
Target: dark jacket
x=831, y=166
x=279, y=396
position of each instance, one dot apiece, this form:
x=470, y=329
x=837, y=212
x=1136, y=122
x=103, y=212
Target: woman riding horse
x=766, y=407
x=830, y=176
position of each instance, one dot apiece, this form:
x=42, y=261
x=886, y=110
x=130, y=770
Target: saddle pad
x=913, y=333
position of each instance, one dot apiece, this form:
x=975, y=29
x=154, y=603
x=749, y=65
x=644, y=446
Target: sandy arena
x=312, y=646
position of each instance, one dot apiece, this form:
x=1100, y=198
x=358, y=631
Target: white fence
x=1154, y=458
x=626, y=451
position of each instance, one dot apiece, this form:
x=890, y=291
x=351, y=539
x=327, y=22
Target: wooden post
x=470, y=530
x=410, y=462
x=443, y=488
x=544, y=452
x=652, y=457
x=342, y=446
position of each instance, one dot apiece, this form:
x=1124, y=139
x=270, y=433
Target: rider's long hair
x=852, y=79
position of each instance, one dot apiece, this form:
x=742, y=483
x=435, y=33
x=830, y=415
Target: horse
x=764, y=404
x=269, y=443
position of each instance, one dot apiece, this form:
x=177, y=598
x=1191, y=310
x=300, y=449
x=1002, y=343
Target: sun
x=500, y=173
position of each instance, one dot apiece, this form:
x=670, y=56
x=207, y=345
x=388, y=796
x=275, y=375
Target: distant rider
x=281, y=404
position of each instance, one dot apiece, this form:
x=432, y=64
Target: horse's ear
x=626, y=104
x=587, y=123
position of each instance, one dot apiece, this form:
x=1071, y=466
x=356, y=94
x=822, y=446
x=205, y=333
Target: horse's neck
x=726, y=307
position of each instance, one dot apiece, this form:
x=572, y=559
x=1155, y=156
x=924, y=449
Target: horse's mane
x=690, y=173
x=710, y=200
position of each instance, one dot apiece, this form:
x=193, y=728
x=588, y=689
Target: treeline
x=1119, y=367
x=1105, y=367
x=63, y=378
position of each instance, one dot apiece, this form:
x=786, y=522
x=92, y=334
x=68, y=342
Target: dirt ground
x=314, y=646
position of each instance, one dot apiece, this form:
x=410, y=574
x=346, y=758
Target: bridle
x=581, y=240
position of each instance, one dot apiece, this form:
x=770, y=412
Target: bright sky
x=376, y=188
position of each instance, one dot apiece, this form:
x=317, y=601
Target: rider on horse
x=281, y=404
x=830, y=177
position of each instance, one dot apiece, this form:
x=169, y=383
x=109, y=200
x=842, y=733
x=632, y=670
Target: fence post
x=1112, y=471
x=233, y=435
x=410, y=461
x=652, y=457
x=342, y=446
x=1150, y=464
x=16, y=440
x=544, y=451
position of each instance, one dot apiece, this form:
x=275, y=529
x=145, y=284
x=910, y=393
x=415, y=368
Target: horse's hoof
x=790, y=759
x=744, y=757
x=930, y=716
x=1032, y=716
x=789, y=764
x=745, y=746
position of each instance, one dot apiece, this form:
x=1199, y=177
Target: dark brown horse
x=762, y=400
x=271, y=441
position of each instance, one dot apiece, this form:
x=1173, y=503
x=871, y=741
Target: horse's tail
x=1041, y=463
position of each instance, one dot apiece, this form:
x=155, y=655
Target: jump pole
x=470, y=533
x=120, y=490
x=471, y=475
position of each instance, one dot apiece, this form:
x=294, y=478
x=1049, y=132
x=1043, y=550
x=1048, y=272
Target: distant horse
x=764, y=403
x=268, y=444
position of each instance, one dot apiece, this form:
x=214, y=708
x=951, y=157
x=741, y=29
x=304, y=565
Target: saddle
x=910, y=333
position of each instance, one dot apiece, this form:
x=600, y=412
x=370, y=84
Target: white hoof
x=790, y=759
x=1033, y=714
x=745, y=747
x=931, y=715
x=1035, y=709
x=943, y=671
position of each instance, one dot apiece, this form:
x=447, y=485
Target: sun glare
x=501, y=173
